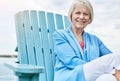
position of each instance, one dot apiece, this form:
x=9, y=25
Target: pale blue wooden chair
x=34, y=30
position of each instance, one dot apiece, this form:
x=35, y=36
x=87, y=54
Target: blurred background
x=106, y=24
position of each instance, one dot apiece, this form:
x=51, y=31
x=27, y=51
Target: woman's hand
x=117, y=74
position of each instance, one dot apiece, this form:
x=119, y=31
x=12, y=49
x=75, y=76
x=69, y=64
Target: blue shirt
x=69, y=55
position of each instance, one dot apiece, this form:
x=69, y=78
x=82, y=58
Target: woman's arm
x=103, y=49
x=65, y=52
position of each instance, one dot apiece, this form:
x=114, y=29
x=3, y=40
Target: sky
x=106, y=23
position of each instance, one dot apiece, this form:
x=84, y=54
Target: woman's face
x=80, y=17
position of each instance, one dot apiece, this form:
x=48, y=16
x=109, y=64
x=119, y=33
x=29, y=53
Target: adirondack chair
x=34, y=30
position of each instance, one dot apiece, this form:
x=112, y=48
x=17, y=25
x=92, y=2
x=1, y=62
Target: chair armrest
x=25, y=68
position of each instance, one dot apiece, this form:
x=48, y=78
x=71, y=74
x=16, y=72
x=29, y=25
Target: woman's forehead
x=81, y=6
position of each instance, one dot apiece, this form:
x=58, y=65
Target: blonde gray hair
x=81, y=2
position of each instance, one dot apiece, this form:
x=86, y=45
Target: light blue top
x=69, y=55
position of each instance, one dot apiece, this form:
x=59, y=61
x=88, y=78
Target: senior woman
x=81, y=56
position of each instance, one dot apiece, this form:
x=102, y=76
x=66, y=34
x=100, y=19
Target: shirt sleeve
x=65, y=52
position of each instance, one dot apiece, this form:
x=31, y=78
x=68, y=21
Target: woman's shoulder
x=92, y=36
x=60, y=31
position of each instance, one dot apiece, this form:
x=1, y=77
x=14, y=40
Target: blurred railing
x=8, y=56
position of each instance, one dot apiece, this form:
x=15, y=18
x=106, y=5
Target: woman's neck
x=78, y=34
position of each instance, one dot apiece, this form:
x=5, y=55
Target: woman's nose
x=81, y=16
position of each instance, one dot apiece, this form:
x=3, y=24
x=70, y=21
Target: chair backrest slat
x=20, y=33
x=59, y=21
x=66, y=22
x=51, y=27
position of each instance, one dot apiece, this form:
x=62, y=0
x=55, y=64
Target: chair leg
x=27, y=77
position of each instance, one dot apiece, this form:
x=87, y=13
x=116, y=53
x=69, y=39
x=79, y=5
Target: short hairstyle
x=81, y=2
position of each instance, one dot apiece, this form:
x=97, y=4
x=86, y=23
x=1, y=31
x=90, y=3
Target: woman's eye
x=85, y=13
x=77, y=12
